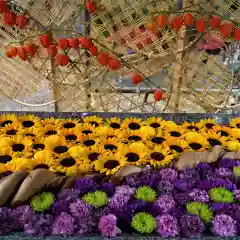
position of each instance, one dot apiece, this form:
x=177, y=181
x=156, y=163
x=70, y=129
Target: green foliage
x=42, y=202
x=221, y=194
x=144, y=222
x=146, y=194
x=96, y=199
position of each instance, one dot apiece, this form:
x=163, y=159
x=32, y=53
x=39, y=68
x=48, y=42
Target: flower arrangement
x=93, y=144
x=209, y=205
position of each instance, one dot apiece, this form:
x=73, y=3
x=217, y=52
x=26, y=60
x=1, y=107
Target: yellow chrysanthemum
x=32, y=132
x=92, y=154
x=6, y=154
x=51, y=121
x=43, y=159
x=19, y=164
x=111, y=144
x=134, y=154
x=160, y=156
x=214, y=138
x=114, y=122
x=70, y=166
x=130, y=136
x=190, y=126
x=198, y=144
x=132, y=123
x=222, y=130
x=93, y=120
x=232, y=146
x=85, y=128
x=69, y=123
x=148, y=131
x=158, y=139
x=71, y=135
x=49, y=130
x=235, y=122
x=9, y=130
x=175, y=131
x=29, y=120
x=6, y=119
x=176, y=145
x=109, y=164
x=154, y=122
x=77, y=151
x=206, y=123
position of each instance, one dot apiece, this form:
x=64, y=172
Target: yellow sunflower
x=111, y=144
x=71, y=135
x=92, y=154
x=168, y=124
x=69, y=123
x=9, y=130
x=148, y=131
x=6, y=154
x=51, y=121
x=70, y=166
x=160, y=156
x=43, y=159
x=176, y=145
x=235, y=122
x=49, y=130
x=222, y=130
x=6, y=119
x=38, y=144
x=109, y=164
x=19, y=164
x=154, y=122
x=175, y=131
x=85, y=128
x=135, y=155
x=77, y=151
x=107, y=132
x=198, y=144
x=132, y=123
x=114, y=122
x=89, y=140
x=232, y=146
x=93, y=120
x=31, y=132
x=129, y=136
x=158, y=139
x=188, y=136
x=190, y=126
x=235, y=133
x=29, y=120
x=214, y=138
x=206, y=124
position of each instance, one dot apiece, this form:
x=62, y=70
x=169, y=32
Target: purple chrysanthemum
x=39, y=226
x=205, y=170
x=80, y=209
x=84, y=185
x=199, y=195
x=132, y=180
x=184, y=184
x=64, y=225
x=177, y=212
x=224, y=226
x=237, y=194
x=228, y=163
x=223, y=172
x=168, y=174
x=164, y=186
x=20, y=216
x=109, y=188
x=189, y=174
x=167, y=226
x=165, y=203
x=60, y=206
x=216, y=182
x=181, y=198
x=108, y=225
x=191, y=225
x=69, y=195
x=220, y=207
x=148, y=178
x=5, y=221
x=86, y=225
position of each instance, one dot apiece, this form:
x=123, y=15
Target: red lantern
x=137, y=78
x=215, y=22
x=52, y=51
x=237, y=34
x=45, y=40
x=22, y=54
x=11, y=52
x=114, y=64
x=226, y=29
x=188, y=19
x=31, y=49
x=103, y=58
x=62, y=60
x=162, y=20
x=73, y=43
x=200, y=25
x=94, y=51
x=9, y=18
x=63, y=44
x=158, y=95
x=21, y=21
x=177, y=22
x=86, y=42
x=3, y=6
x=91, y=7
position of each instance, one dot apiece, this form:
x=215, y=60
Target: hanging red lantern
x=94, y=51
x=91, y=6
x=215, y=21
x=3, y=6
x=52, y=51
x=162, y=20
x=188, y=19
x=137, y=78
x=21, y=21
x=9, y=18
x=86, y=42
x=226, y=29
x=11, y=52
x=73, y=43
x=63, y=43
x=31, y=49
x=103, y=58
x=45, y=40
x=114, y=64
x=200, y=25
x=62, y=60
x=22, y=54
x=177, y=22
x=158, y=95
x=237, y=34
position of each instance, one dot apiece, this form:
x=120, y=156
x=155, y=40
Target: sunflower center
x=193, y=128
x=87, y=132
x=6, y=173
x=42, y=165
x=18, y=147
x=111, y=164
x=132, y=157
x=223, y=133
x=134, y=138
x=94, y=123
x=195, y=146
x=115, y=125
x=71, y=137
x=5, y=158
x=214, y=142
x=69, y=125
x=68, y=162
x=28, y=124
x=3, y=124
x=38, y=146
x=157, y=156
x=111, y=136
x=89, y=143
x=155, y=125
x=175, y=134
x=93, y=156
x=238, y=125
x=51, y=132
x=134, y=126
x=11, y=132
x=209, y=125
x=60, y=149
x=30, y=135
x=110, y=147
x=158, y=140
x=176, y=148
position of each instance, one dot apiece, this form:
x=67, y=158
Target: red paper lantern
x=21, y=21
x=62, y=60
x=162, y=20
x=86, y=42
x=45, y=40
x=91, y=7
x=177, y=22
x=103, y=58
x=137, y=78
x=31, y=49
x=158, y=95
x=215, y=21
x=22, y=54
x=114, y=64
x=73, y=43
x=9, y=18
x=200, y=25
x=188, y=19
x=94, y=51
x=237, y=34
x=52, y=51
x=226, y=29
x=63, y=44
x=11, y=52
x=3, y=6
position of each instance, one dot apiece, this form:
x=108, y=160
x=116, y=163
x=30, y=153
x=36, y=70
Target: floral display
x=165, y=202
x=93, y=144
